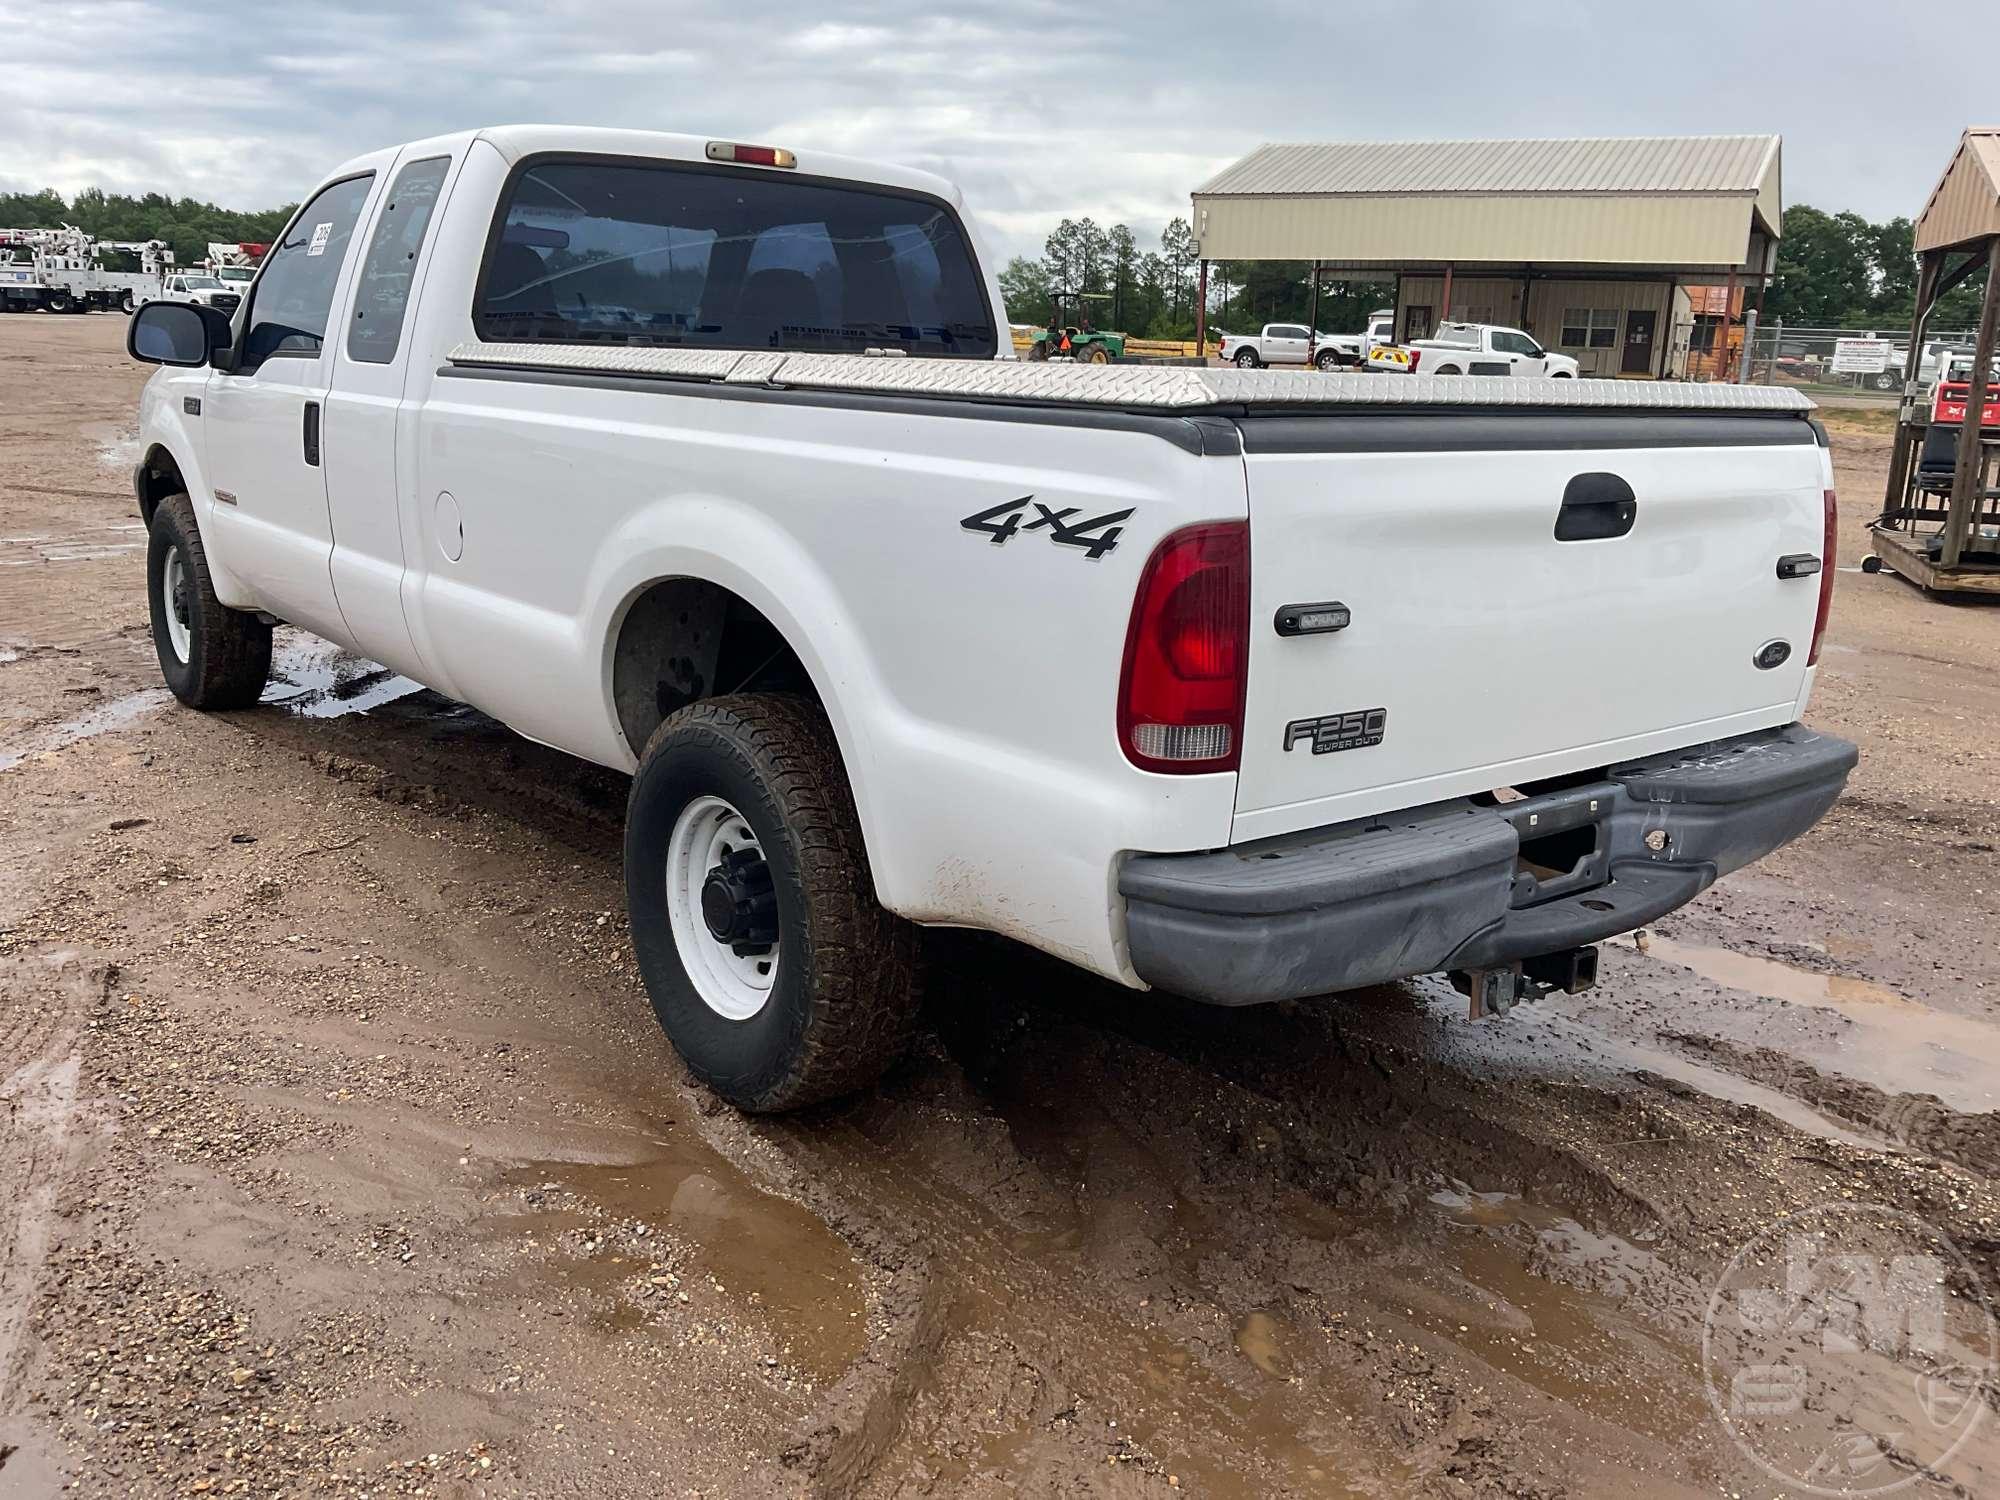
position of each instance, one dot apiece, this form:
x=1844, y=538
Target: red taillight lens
x=751, y=156
x=1180, y=697
x=1416, y=358
x=1827, y=555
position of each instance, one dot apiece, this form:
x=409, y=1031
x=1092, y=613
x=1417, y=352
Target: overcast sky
x=1040, y=110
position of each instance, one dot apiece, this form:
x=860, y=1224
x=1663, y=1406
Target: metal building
x=1586, y=244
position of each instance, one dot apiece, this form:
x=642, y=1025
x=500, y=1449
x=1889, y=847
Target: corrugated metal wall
x=1690, y=230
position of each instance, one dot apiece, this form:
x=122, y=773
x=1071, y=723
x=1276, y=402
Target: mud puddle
x=642, y=1238
x=1510, y=1293
x=1898, y=1044
x=119, y=713
x=318, y=680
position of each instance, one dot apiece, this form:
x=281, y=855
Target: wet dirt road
x=341, y=1155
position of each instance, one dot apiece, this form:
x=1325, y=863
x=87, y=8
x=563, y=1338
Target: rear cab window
x=599, y=250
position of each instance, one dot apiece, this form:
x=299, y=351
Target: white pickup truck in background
x=705, y=461
x=1296, y=344
x=1483, y=349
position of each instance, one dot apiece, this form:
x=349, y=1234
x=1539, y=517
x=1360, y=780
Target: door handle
x=312, y=433
x=1595, y=507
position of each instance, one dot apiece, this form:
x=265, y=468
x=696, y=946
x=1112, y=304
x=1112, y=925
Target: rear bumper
x=1441, y=887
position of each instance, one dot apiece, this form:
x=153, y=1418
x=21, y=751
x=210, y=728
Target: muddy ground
x=341, y=1154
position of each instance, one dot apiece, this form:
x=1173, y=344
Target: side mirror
x=176, y=333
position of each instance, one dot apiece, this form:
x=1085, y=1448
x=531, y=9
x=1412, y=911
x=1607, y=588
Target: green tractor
x=1063, y=339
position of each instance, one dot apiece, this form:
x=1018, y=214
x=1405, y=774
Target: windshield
x=236, y=273
x=201, y=283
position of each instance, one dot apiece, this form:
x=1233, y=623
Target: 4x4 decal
x=1000, y=522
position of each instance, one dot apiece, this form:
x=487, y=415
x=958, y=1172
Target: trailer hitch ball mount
x=1495, y=991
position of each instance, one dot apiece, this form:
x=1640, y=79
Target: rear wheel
x=1447, y=370
x=57, y=302
x=1246, y=359
x=1038, y=350
x=771, y=967
x=212, y=656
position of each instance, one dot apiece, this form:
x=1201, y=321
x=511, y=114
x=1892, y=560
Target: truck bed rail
x=1146, y=387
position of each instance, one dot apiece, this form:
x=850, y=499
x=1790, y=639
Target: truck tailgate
x=1528, y=594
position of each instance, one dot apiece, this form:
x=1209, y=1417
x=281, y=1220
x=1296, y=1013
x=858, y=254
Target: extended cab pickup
x=706, y=462
x=1482, y=349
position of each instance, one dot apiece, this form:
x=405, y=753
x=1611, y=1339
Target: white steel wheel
x=174, y=595
x=722, y=908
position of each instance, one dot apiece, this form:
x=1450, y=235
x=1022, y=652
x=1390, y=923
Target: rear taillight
x=1827, y=555
x=1416, y=358
x=1180, y=697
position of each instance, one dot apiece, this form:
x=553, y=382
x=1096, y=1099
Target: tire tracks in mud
x=48, y=995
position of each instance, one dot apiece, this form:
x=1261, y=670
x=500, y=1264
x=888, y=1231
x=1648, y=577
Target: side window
x=295, y=294
x=383, y=294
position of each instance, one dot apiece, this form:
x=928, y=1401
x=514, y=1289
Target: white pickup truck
x=1483, y=349
x=1296, y=344
x=706, y=461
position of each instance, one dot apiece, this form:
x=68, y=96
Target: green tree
x=1122, y=271
x=1024, y=287
x=1177, y=260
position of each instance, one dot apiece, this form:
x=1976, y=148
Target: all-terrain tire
x=845, y=992
x=1096, y=354
x=228, y=655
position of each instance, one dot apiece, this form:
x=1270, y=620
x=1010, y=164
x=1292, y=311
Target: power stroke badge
x=1330, y=732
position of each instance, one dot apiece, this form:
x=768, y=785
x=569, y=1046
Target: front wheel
x=773, y=970
x=1886, y=380
x=1326, y=359
x=1561, y=375
x=1095, y=354
x=128, y=304
x=212, y=656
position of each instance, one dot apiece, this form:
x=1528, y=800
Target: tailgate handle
x=1798, y=565
x=1594, y=508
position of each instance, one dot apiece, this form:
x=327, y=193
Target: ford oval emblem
x=1772, y=654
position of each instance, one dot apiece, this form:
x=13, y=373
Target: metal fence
x=1803, y=357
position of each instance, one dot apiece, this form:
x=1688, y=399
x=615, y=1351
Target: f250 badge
x=1093, y=537
x=1330, y=732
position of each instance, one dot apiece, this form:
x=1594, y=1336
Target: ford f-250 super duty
x=706, y=461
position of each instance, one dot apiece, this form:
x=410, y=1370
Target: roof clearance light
x=751, y=156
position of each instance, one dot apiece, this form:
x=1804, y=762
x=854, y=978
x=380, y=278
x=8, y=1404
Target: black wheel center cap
x=738, y=903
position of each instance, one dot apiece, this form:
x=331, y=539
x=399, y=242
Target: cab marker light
x=751, y=156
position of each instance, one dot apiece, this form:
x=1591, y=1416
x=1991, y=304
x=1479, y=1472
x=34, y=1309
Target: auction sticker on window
x=321, y=234
x=1846, y=1349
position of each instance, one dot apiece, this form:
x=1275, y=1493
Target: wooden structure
x=1945, y=534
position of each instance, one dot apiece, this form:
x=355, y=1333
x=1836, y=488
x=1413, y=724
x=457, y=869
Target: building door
x=1638, y=342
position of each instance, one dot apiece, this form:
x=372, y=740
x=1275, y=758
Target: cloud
x=1039, y=110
